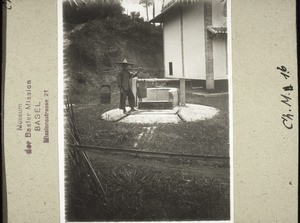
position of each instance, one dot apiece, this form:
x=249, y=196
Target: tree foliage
x=85, y=11
x=105, y=35
x=146, y=4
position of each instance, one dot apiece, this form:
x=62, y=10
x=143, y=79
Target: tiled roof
x=171, y=5
x=217, y=30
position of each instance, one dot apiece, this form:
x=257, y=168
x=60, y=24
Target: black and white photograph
x=147, y=110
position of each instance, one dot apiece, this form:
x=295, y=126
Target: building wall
x=194, y=46
x=194, y=43
x=172, y=44
x=219, y=42
x=209, y=50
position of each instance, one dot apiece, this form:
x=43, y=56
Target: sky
x=133, y=5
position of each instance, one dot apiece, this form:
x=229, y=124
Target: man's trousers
x=124, y=94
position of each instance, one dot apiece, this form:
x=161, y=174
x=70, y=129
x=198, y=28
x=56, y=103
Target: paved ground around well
x=189, y=113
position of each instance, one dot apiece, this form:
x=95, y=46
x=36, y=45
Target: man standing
x=125, y=86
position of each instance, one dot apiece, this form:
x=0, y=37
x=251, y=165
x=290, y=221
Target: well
x=159, y=98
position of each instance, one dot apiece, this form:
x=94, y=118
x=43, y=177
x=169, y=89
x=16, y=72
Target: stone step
x=155, y=105
x=152, y=119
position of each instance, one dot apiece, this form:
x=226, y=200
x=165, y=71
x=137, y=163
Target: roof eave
x=160, y=17
x=157, y=19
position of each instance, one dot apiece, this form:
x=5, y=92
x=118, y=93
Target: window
x=170, y=69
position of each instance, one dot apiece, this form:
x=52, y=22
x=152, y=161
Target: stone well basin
x=160, y=98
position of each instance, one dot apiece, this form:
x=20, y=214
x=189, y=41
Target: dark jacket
x=123, y=79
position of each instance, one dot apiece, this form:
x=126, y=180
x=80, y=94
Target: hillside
x=98, y=37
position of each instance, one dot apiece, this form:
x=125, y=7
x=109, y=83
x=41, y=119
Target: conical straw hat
x=125, y=62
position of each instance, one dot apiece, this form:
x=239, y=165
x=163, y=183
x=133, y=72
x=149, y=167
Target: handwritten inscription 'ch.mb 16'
x=286, y=98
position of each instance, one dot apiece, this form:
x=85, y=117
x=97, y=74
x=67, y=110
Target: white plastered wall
x=194, y=42
x=172, y=44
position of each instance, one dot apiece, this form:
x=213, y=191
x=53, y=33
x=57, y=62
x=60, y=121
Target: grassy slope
x=94, y=47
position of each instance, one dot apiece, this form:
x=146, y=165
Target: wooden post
x=182, y=91
x=182, y=80
x=134, y=88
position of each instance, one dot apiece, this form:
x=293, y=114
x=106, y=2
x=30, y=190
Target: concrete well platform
x=189, y=113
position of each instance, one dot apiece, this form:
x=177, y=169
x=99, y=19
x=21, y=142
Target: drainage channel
x=148, y=153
